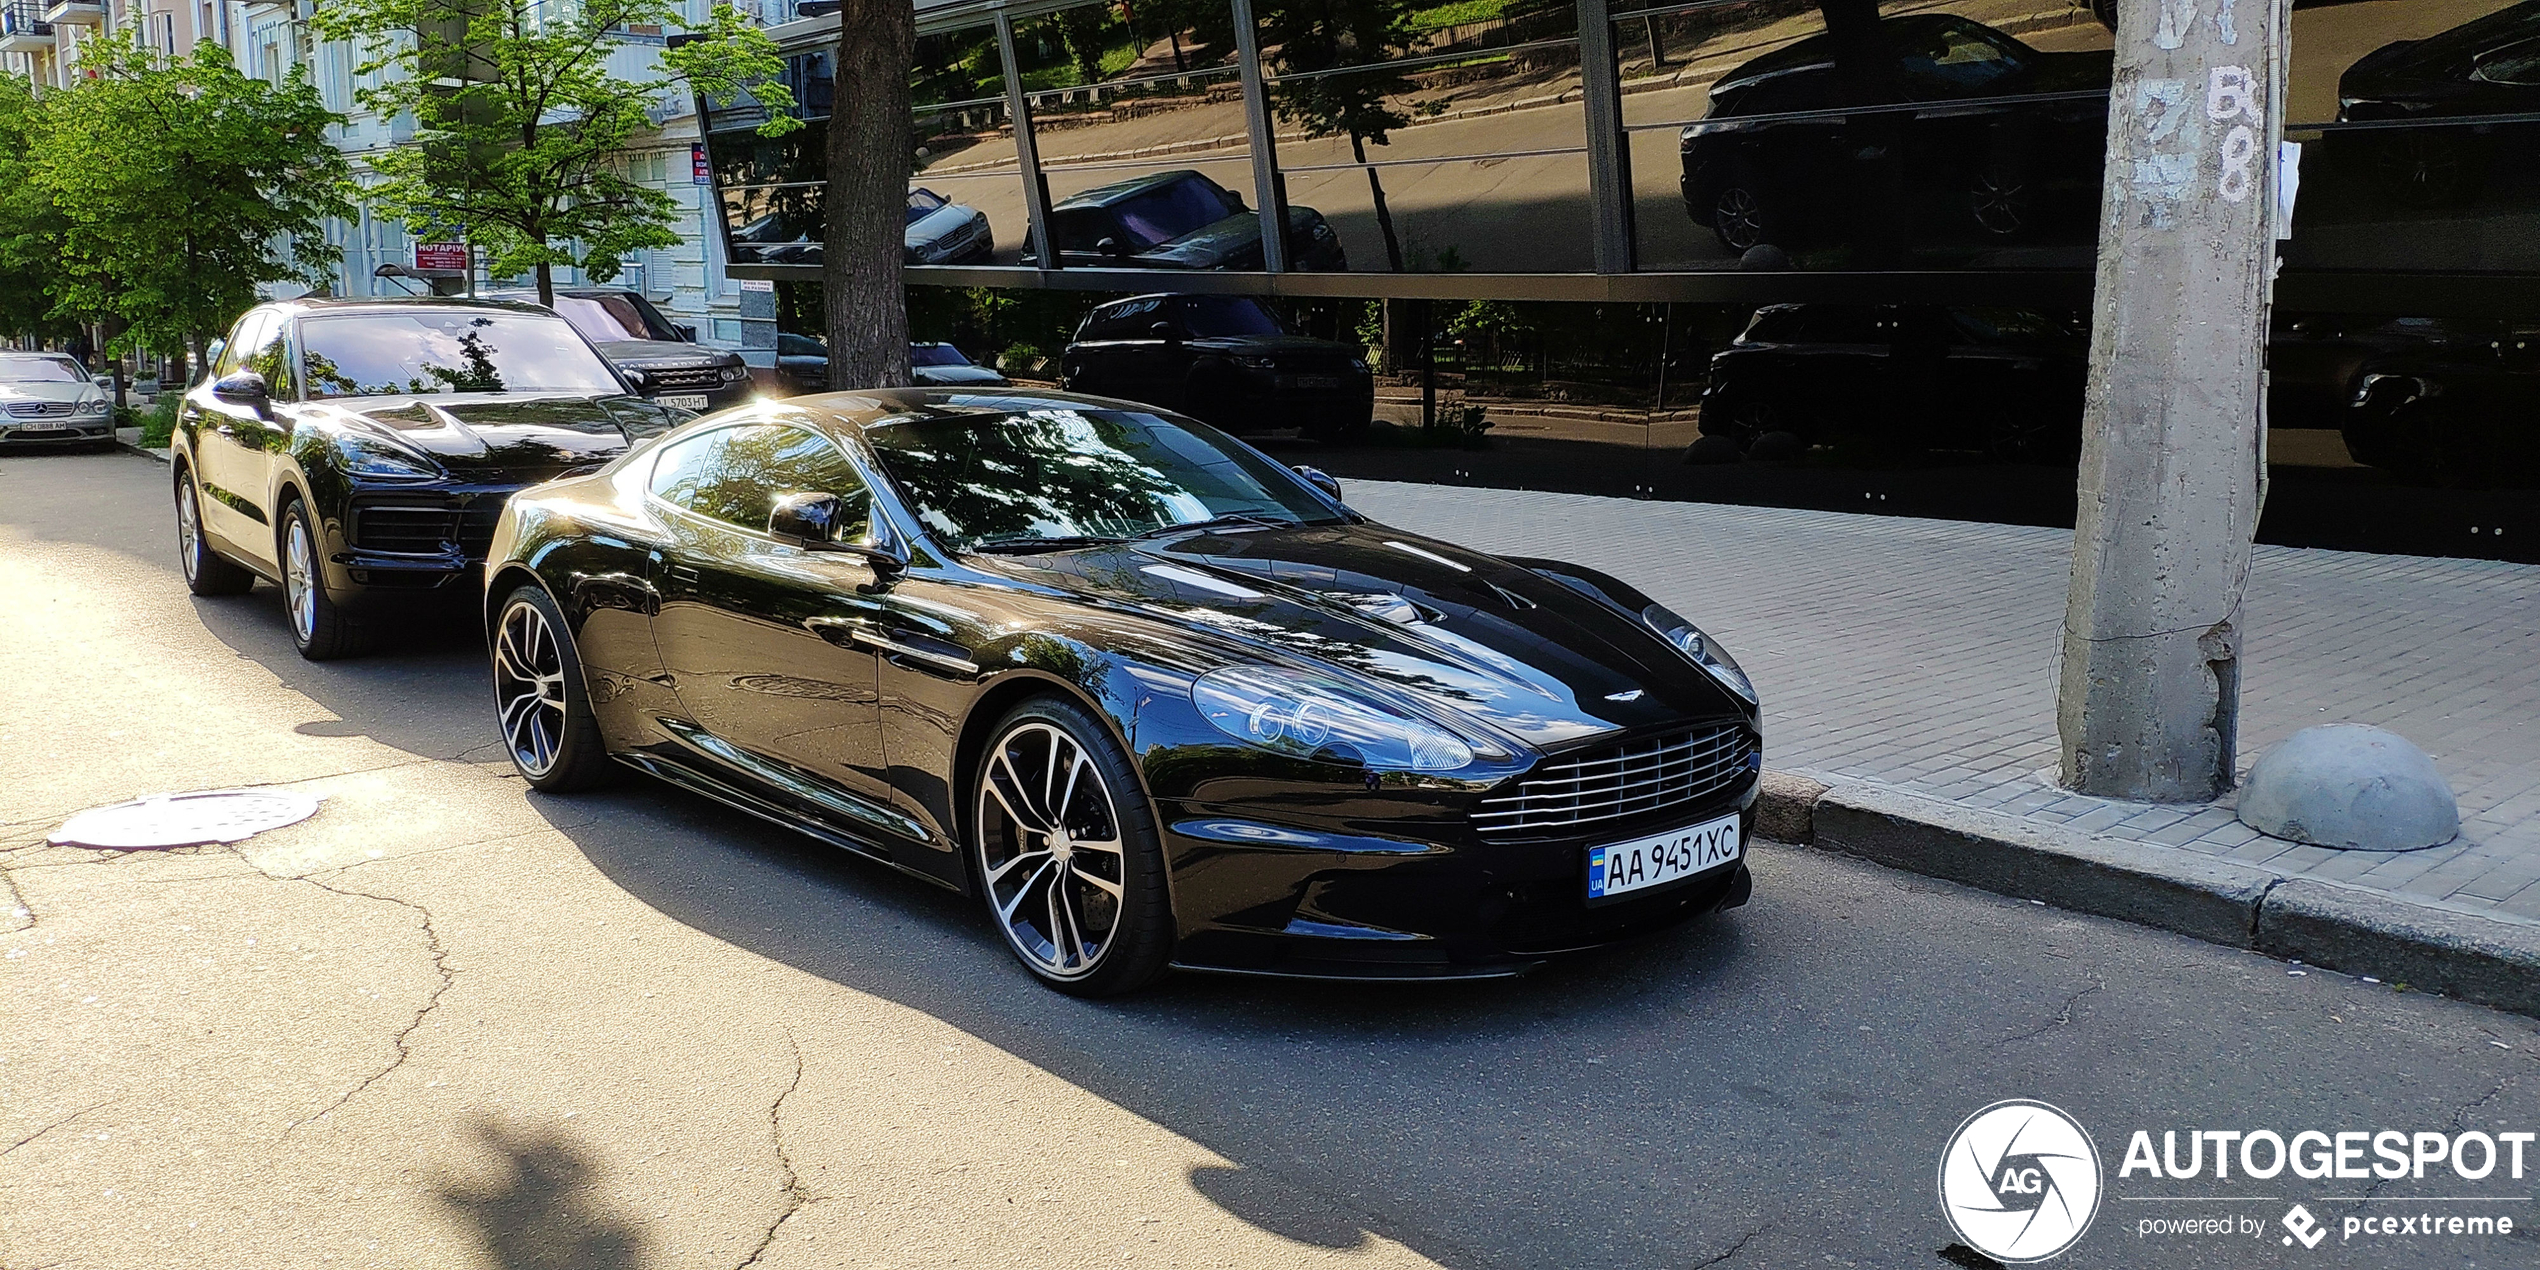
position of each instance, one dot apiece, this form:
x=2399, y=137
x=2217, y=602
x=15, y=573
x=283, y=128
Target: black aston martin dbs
x=1155, y=698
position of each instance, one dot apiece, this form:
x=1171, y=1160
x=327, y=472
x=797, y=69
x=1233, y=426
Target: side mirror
x=105, y=383
x=1164, y=332
x=243, y=387
x=1322, y=480
x=687, y=331
x=811, y=522
x=1109, y=247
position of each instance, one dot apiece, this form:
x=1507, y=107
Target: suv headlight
x=735, y=374
x=1705, y=651
x=1301, y=715
x=1257, y=363
x=361, y=456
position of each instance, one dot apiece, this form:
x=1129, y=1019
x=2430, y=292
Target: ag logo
x=2020, y=1181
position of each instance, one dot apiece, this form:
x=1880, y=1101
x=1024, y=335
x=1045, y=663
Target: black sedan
x=2403, y=97
x=1152, y=697
x=1228, y=359
x=357, y=452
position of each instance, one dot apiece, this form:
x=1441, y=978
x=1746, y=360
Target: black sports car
x=1153, y=697
x=358, y=451
x=2405, y=94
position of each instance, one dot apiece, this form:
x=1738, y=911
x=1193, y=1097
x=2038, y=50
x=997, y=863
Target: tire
x=1094, y=868
x=320, y=628
x=1740, y=218
x=541, y=701
x=2002, y=201
x=207, y=572
x=1338, y=429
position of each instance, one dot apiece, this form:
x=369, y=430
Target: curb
x=160, y=456
x=2423, y=945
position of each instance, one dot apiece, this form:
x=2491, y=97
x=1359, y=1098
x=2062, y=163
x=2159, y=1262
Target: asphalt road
x=447, y=1022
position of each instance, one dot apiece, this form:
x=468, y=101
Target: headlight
x=360, y=456
x=1296, y=714
x=1705, y=651
x=92, y=409
x=1258, y=363
x=735, y=374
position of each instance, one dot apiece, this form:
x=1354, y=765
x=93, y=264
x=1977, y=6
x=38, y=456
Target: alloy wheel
x=189, y=529
x=299, y=577
x=529, y=687
x=1737, y=216
x=1050, y=851
x=1999, y=199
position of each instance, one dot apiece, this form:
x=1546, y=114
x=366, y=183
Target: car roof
x=856, y=410
x=396, y=304
x=1106, y=195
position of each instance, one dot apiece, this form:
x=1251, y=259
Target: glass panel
x=1965, y=135
x=1367, y=100
x=2420, y=123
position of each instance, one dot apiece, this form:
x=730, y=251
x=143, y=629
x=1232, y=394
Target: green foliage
x=1489, y=319
x=519, y=120
x=1021, y=359
x=1456, y=13
x=1318, y=35
x=30, y=227
x=159, y=423
x=165, y=188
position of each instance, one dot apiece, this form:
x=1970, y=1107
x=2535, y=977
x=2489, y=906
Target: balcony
x=76, y=13
x=24, y=30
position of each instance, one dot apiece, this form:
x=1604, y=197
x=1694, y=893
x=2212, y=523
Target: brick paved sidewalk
x=1922, y=654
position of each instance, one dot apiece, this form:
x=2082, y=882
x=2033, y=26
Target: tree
x=520, y=121
x=181, y=187
x=871, y=152
x=30, y=227
x=1323, y=35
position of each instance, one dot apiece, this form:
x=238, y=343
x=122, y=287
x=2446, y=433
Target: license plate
x=684, y=401
x=1661, y=858
x=1318, y=381
x=42, y=425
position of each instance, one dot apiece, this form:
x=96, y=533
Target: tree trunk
x=1865, y=75
x=870, y=143
x=546, y=285
x=1384, y=214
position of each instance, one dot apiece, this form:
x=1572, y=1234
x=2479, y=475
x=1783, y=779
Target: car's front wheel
x=320, y=628
x=540, y=697
x=1067, y=855
x=206, y=571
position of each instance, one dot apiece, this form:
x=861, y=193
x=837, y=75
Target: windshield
x=984, y=479
x=40, y=370
x=448, y=351
x=922, y=203
x=607, y=317
x=935, y=355
x=1170, y=211
x=1205, y=315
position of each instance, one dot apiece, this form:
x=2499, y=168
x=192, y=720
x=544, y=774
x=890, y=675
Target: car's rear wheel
x=2002, y=200
x=320, y=628
x=540, y=697
x=206, y=571
x=1067, y=854
x=1739, y=218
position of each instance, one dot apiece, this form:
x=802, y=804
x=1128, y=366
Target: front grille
x=40, y=409
x=413, y=527
x=1615, y=781
x=686, y=377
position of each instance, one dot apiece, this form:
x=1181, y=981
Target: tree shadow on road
x=545, y=1210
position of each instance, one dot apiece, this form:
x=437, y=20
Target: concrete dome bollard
x=2353, y=786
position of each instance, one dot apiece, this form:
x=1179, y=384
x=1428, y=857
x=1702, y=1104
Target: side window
x=241, y=338
x=735, y=475
x=267, y=353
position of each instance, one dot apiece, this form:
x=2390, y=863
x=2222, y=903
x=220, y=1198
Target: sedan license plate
x=684, y=401
x=1318, y=381
x=1661, y=858
x=42, y=425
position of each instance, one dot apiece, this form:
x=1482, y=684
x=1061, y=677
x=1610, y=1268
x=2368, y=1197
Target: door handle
x=856, y=631
x=683, y=573
x=225, y=430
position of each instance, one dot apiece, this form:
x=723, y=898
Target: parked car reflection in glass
x=1178, y=220
x=1230, y=360
x=1154, y=699
x=2462, y=412
x=2484, y=68
x=802, y=365
x=1937, y=126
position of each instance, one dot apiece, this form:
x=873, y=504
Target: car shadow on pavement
x=544, y=1209
x=423, y=690
x=1335, y=1104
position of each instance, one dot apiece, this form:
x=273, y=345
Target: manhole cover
x=184, y=820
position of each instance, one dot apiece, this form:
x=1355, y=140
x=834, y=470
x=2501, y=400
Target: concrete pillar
x=2173, y=454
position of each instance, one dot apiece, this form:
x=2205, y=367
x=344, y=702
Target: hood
x=507, y=431
x=935, y=224
x=1458, y=631
x=663, y=354
x=50, y=390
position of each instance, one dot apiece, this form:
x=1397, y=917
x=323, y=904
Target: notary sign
x=450, y=256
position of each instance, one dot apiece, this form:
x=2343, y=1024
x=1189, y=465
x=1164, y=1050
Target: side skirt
x=740, y=799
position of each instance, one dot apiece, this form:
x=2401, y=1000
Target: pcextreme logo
x=2020, y=1181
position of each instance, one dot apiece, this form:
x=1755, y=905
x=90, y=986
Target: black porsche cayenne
x=1154, y=698
x=357, y=451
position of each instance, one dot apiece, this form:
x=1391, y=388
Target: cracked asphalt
x=450, y=1023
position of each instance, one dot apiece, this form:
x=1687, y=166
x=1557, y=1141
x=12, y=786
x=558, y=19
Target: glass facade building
x=1862, y=234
